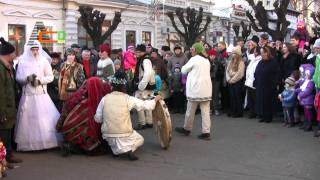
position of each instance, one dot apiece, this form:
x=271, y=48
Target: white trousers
x=125, y=144
x=144, y=117
x=205, y=115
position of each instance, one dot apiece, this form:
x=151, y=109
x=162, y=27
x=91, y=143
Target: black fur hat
x=141, y=47
x=5, y=47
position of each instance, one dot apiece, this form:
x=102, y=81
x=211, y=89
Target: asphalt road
x=241, y=149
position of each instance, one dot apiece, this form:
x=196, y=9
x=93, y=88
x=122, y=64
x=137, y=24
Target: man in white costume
x=37, y=115
x=114, y=113
x=145, y=84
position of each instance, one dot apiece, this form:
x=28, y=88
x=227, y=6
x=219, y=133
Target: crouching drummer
x=114, y=113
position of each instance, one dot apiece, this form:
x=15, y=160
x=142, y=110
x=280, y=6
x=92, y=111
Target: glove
x=31, y=77
x=35, y=83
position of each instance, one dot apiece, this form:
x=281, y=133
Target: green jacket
x=7, y=97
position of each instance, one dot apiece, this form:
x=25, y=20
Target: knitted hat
x=6, y=48
x=165, y=48
x=317, y=44
x=212, y=52
x=105, y=48
x=237, y=50
x=130, y=47
x=117, y=62
x=118, y=79
x=199, y=48
x=141, y=47
x=264, y=36
x=290, y=82
x=255, y=39
x=177, y=66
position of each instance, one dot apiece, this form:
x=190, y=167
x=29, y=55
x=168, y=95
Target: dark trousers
x=288, y=113
x=216, y=94
x=178, y=101
x=236, y=98
x=251, y=97
x=225, y=98
x=6, y=137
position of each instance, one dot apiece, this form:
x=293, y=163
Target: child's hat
x=290, y=81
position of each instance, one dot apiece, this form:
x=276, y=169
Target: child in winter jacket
x=288, y=99
x=306, y=94
x=176, y=90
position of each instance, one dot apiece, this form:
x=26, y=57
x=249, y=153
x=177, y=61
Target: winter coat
x=265, y=82
x=288, y=98
x=176, y=82
x=232, y=76
x=130, y=60
x=199, y=85
x=182, y=60
x=253, y=62
x=289, y=64
x=316, y=76
x=7, y=96
x=306, y=93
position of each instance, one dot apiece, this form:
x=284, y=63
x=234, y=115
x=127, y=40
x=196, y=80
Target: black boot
x=308, y=127
x=183, y=131
x=132, y=156
x=204, y=136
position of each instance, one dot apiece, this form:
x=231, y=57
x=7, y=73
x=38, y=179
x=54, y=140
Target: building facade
x=140, y=23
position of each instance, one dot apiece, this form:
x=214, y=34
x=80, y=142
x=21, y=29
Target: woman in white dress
x=37, y=115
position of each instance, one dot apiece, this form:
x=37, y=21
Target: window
x=130, y=38
x=146, y=37
x=17, y=37
x=85, y=40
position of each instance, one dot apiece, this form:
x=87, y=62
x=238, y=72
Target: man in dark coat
x=8, y=109
x=89, y=63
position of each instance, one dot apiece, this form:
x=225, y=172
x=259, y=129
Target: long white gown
x=37, y=115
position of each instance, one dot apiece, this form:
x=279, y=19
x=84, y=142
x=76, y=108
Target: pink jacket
x=130, y=60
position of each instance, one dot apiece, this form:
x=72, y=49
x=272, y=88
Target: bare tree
x=246, y=31
x=316, y=18
x=236, y=29
x=92, y=21
x=191, y=23
x=260, y=22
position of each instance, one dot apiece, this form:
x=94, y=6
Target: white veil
x=27, y=62
x=27, y=54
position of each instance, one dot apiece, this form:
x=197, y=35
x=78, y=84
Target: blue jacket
x=158, y=84
x=289, y=98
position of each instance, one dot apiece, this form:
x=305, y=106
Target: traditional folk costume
x=199, y=92
x=37, y=115
x=71, y=77
x=145, y=83
x=114, y=114
x=77, y=119
x=105, y=67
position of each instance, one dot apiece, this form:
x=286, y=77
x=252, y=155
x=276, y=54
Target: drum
x=162, y=123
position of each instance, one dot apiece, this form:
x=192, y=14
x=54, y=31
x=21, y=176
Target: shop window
x=17, y=37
